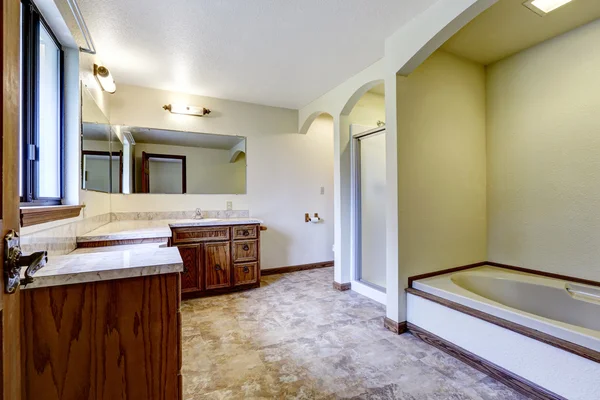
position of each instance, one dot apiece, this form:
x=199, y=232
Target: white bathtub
x=541, y=303
x=566, y=310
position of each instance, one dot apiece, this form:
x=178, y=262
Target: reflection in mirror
x=100, y=171
x=175, y=162
x=97, y=161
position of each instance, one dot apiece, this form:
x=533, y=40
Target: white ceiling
x=489, y=38
x=282, y=53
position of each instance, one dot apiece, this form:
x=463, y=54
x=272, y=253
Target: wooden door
x=10, y=309
x=217, y=265
x=145, y=173
x=191, y=277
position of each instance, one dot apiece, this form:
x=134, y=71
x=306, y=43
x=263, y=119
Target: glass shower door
x=371, y=177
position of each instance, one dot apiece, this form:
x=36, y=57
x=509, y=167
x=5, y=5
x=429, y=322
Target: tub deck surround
x=107, y=265
x=536, y=302
x=526, y=329
x=513, y=381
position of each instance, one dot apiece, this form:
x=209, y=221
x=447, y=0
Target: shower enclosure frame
x=365, y=288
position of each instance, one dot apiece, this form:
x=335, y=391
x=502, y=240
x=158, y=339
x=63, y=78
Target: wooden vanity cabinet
x=218, y=259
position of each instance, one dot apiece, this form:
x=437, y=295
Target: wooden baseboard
x=342, y=287
x=508, y=378
x=562, y=344
x=397, y=327
x=296, y=268
x=218, y=292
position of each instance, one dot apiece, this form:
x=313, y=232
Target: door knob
x=14, y=260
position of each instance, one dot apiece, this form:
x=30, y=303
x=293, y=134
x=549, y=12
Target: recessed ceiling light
x=543, y=7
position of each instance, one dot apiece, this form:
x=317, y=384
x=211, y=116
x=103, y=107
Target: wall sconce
x=186, y=110
x=104, y=78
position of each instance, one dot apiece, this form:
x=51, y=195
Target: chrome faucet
x=198, y=214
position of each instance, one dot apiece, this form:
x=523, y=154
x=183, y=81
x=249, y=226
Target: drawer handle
x=185, y=270
x=246, y=247
x=246, y=270
x=246, y=233
x=217, y=267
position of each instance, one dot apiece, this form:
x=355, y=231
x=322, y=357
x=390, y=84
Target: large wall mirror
x=99, y=170
x=126, y=159
x=176, y=162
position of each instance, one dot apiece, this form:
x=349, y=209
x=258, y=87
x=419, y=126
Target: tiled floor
x=298, y=338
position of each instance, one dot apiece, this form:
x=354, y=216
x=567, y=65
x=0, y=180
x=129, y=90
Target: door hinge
x=31, y=152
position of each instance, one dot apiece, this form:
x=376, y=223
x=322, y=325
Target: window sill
x=41, y=214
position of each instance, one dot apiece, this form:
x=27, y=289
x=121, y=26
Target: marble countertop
x=118, y=262
x=153, y=229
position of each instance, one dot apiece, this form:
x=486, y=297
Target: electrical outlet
x=229, y=206
x=322, y=189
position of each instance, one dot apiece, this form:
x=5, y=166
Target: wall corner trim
x=342, y=287
x=396, y=327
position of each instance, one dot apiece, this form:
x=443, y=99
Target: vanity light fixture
x=543, y=7
x=104, y=78
x=186, y=110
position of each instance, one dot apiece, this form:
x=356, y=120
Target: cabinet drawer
x=193, y=234
x=245, y=232
x=245, y=250
x=217, y=265
x=190, y=277
x=245, y=274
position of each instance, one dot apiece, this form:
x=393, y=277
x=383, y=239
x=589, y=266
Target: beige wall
x=369, y=109
x=543, y=156
x=285, y=170
x=441, y=165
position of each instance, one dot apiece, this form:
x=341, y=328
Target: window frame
x=32, y=20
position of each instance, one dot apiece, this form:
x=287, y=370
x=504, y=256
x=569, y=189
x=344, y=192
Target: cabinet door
x=217, y=264
x=192, y=274
x=244, y=274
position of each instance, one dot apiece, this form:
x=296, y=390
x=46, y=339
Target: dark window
x=41, y=161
